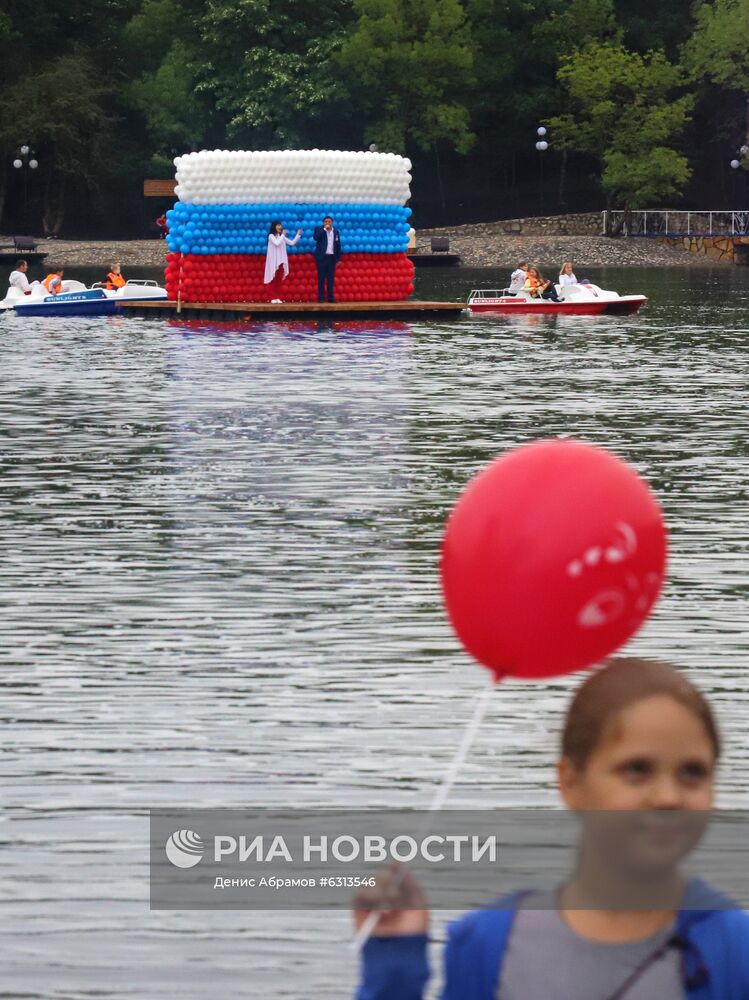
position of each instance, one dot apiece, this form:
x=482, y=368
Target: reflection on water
x=218, y=588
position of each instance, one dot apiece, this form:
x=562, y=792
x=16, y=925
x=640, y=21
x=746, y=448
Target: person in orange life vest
x=53, y=282
x=539, y=288
x=115, y=279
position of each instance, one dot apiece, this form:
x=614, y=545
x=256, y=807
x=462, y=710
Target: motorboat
x=582, y=299
x=75, y=299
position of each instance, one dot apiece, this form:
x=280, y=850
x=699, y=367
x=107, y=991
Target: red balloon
x=553, y=557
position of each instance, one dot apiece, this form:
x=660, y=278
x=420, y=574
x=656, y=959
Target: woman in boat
x=277, y=258
x=567, y=275
x=538, y=288
x=639, y=743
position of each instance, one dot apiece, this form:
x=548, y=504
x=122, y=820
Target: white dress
x=277, y=255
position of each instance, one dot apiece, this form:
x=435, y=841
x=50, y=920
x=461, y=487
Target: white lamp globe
x=33, y=164
x=735, y=164
x=18, y=164
x=543, y=146
x=25, y=150
x=541, y=130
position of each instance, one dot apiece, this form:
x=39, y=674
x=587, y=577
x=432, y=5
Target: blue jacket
x=715, y=955
x=321, y=243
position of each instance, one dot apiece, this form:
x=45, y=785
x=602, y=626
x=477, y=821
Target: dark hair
x=523, y=264
x=620, y=684
x=276, y=222
x=327, y=217
x=22, y=261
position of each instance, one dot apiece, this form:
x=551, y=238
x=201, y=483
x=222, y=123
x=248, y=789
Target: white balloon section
x=221, y=177
x=218, y=230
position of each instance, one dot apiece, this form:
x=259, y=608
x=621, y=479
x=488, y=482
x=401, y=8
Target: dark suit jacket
x=321, y=243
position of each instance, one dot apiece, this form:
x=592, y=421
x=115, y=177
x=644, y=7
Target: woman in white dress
x=277, y=258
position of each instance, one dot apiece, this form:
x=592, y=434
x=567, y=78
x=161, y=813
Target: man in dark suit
x=327, y=255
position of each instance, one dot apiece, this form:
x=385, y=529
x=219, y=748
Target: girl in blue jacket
x=638, y=737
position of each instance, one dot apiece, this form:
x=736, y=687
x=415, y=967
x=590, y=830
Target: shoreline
x=478, y=245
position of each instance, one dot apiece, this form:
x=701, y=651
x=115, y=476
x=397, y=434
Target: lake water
x=218, y=588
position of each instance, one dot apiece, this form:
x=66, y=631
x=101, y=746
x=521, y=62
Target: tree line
x=644, y=104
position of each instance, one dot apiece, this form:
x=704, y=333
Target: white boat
x=75, y=299
x=583, y=299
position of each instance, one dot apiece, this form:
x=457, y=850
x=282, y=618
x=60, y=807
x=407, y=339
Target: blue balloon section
x=243, y=229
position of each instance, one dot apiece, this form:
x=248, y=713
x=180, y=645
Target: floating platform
x=435, y=258
x=233, y=311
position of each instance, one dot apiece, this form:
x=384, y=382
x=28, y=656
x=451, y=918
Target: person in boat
x=53, y=282
x=18, y=277
x=518, y=278
x=567, y=275
x=277, y=258
x=115, y=278
x=639, y=746
x=538, y=288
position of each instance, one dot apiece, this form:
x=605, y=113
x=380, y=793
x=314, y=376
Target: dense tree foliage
x=645, y=104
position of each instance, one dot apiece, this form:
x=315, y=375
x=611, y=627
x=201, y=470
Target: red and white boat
x=584, y=299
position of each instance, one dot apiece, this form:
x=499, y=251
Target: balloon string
x=482, y=703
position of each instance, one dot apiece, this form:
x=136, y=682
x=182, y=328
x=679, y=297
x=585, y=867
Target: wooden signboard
x=159, y=189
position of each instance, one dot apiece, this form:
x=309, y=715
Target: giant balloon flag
x=218, y=230
x=553, y=557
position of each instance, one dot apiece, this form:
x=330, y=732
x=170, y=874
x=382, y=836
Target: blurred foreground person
x=638, y=758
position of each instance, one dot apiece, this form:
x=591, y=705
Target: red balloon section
x=552, y=559
x=359, y=277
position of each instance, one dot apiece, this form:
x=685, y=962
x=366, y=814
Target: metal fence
x=667, y=222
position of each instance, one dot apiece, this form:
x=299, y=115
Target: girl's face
x=568, y=268
x=656, y=754
x=278, y=228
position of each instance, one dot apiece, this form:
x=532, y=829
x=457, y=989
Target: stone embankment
x=100, y=253
x=728, y=249
x=547, y=241
x=551, y=240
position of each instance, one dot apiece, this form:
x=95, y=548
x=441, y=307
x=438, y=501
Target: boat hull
x=84, y=307
x=624, y=306
x=86, y=302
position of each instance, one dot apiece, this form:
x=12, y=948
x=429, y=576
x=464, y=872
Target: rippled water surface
x=218, y=588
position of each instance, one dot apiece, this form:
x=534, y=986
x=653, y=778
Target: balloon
x=552, y=559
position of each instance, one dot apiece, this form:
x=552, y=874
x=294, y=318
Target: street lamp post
x=541, y=145
x=25, y=160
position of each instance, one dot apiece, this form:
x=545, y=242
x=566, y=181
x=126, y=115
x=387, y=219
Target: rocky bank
x=547, y=241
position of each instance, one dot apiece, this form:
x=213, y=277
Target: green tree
x=64, y=118
x=410, y=65
x=269, y=67
x=623, y=111
x=717, y=50
x=162, y=47
x=575, y=24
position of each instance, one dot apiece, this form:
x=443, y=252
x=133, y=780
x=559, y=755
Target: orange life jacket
x=48, y=283
x=115, y=280
x=534, y=285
